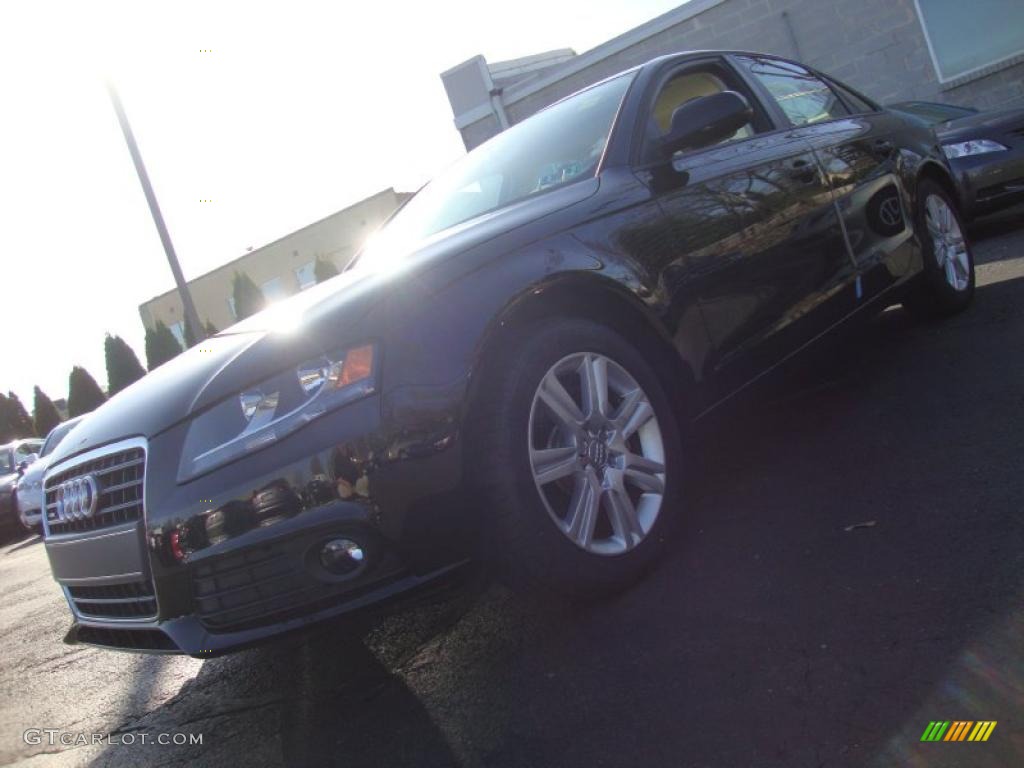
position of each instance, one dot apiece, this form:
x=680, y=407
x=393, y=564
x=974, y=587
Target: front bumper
x=188, y=634
x=990, y=182
x=232, y=558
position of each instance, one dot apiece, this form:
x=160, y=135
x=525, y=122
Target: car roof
x=678, y=56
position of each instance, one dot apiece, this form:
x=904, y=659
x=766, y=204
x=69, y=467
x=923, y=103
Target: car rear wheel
x=579, y=458
x=946, y=285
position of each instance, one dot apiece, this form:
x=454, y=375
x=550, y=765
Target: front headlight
x=264, y=414
x=973, y=147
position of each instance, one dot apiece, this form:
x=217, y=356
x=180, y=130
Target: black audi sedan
x=985, y=151
x=511, y=369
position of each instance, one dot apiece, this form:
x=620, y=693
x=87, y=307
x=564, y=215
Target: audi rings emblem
x=890, y=213
x=77, y=499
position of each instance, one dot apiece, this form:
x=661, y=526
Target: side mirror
x=706, y=120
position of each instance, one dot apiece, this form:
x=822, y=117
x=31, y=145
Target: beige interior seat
x=684, y=88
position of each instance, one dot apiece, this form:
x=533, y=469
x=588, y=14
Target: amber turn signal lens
x=358, y=365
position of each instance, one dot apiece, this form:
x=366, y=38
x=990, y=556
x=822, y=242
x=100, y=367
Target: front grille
x=134, y=600
x=128, y=639
x=119, y=479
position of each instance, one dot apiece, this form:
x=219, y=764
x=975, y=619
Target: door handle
x=802, y=170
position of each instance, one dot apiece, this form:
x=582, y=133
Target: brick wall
x=876, y=46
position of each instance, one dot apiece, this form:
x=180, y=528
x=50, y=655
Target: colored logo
x=958, y=730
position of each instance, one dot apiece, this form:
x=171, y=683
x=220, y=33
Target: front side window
x=557, y=146
x=964, y=37
x=6, y=462
x=685, y=87
x=804, y=98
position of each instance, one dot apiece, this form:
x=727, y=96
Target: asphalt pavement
x=851, y=569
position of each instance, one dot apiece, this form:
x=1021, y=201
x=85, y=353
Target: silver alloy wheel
x=596, y=453
x=948, y=242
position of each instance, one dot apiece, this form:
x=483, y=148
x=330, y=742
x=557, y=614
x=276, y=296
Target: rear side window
x=804, y=98
x=857, y=103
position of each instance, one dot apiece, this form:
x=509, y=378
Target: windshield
x=560, y=145
x=933, y=113
x=56, y=435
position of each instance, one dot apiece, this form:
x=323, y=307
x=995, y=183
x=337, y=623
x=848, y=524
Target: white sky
x=301, y=109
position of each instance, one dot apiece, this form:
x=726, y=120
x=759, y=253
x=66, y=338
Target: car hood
x=980, y=125
x=347, y=309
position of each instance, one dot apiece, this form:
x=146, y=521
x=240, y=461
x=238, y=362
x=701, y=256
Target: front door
x=754, y=223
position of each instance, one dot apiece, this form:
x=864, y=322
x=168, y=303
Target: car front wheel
x=946, y=285
x=579, y=458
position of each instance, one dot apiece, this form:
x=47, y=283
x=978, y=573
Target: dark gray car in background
x=985, y=151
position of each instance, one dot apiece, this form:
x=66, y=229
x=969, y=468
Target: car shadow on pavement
x=31, y=541
x=848, y=569
x=317, y=699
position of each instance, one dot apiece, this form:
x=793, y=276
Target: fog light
x=342, y=556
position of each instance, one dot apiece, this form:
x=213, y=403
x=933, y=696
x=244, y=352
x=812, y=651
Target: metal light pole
x=191, y=316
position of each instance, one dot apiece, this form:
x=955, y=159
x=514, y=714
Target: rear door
x=756, y=236
x=856, y=146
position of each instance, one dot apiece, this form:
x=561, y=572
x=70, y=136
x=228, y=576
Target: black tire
x=522, y=539
x=933, y=296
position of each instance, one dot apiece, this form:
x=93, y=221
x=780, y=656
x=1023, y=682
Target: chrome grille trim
x=119, y=472
x=127, y=601
x=119, y=469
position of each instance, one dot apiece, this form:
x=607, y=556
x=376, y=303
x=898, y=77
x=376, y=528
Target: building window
x=178, y=329
x=965, y=37
x=305, y=275
x=273, y=290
